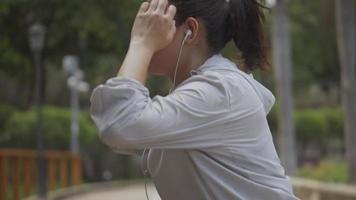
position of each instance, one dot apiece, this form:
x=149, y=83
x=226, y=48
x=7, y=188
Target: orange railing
x=19, y=171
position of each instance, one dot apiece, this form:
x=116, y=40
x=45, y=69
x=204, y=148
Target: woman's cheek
x=154, y=67
x=161, y=62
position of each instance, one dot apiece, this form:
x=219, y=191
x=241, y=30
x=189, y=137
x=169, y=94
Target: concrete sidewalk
x=132, y=192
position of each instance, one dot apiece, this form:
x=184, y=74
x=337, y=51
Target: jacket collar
x=217, y=62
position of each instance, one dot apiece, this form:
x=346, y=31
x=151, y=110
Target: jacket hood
x=219, y=62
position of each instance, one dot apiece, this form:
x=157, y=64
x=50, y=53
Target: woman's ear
x=192, y=24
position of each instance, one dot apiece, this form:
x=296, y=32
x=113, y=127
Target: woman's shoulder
x=241, y=85
x=207, y=88
x=233, y=84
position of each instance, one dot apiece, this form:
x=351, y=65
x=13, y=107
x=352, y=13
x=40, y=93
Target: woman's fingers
x=144, y=7
x=155, y=26
x=162, y=5
x=153, y=5
x=171, y=12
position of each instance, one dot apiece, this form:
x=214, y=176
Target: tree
x=282, y=59
x=96, y=30
x=346, y=34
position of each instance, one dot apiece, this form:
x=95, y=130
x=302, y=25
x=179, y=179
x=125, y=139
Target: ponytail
x=246, y=28
x=226, y=20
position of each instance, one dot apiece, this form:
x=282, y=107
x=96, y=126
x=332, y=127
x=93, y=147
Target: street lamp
x=76, y=85
x=36, y=42
x=271, y=3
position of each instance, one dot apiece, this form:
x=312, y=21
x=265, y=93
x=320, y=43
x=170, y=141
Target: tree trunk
x=346, y=28
x=282, y=60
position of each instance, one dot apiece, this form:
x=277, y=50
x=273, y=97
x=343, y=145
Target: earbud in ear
x=187, y=34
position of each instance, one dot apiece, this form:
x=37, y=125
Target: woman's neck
x=191, y=61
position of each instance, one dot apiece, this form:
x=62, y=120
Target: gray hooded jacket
x=208, y=139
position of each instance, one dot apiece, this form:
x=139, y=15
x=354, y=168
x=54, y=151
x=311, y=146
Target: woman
x=209, y=138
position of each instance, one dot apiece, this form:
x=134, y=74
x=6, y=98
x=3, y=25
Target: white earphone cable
x=177, y=64
x=145, y=171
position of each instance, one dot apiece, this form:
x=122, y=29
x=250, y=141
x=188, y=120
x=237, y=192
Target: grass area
x=326, y=171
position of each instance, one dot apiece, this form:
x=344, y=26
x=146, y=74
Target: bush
x=5, y=112
x=313, y=124
x=21, y=127
x=319, y=132
x=310, y=125
x=334, y=122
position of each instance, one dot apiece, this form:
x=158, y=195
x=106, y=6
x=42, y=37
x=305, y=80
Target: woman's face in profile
x=163, y=61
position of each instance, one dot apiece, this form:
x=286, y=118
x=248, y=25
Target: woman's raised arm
x=189, y=117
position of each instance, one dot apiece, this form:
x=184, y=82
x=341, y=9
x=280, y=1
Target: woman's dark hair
x=240, y=20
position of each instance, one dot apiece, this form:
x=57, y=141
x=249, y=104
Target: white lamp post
x=36, y=42
x=76, y=85
x=271, y=3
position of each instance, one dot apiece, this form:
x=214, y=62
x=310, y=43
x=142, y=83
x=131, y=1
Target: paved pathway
x=132, y=192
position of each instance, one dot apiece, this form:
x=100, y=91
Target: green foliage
x=313, y=125
x=313, y=44
x=328, y=171
x=20, y=129
x=319, y=124
x=97, y=31
x=334, y=122
x=5, y=112
x=310, y=125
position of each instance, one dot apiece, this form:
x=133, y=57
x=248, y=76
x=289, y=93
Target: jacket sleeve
x=189, y=117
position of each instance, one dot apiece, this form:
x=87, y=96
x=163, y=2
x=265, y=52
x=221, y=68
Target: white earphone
x=145, y=171
x=187, y=34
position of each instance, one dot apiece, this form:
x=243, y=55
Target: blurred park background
x=53, y=53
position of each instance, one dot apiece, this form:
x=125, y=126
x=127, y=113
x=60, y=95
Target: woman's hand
x=154, y=25
x=153, y=29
